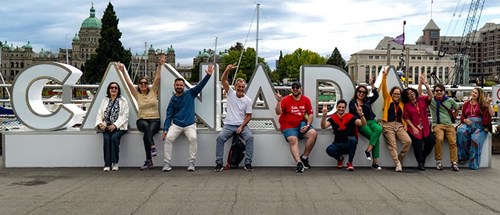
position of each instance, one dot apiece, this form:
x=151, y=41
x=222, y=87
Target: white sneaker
x=114, y=167
x=167, y=167
x=106, y=169
x=191, y=166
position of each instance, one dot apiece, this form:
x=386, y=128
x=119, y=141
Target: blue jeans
x=111, y=146
x=149, y=127
x=336, y=150
x=227, y=131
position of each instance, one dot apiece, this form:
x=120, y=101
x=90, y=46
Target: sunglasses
x=362, y=92
x=143, y=83
x=113, y=87
x=295, y=87
x=438, y=90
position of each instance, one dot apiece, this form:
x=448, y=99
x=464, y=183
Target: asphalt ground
x=263, y=191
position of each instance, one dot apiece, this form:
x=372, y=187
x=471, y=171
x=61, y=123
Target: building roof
x=431, y=26
x=92, y=21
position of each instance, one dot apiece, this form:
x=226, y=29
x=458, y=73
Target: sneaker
x=154, y=152
x=300, y=167
x=350, y=167
x=167, y=167
x=439, y=165
x=368, y=155
x=248, y=167
x=106, y=169
x=454, y=166
x=305, y=161
x=340, y=163
x=147, y=165
x=375, y=166
x=218, y=168
x=191, y=167
x=114, y=167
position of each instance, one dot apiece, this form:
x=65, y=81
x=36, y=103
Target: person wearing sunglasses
x=148, y=121
x=443, y=126
x=372, y=130
x=296, y=115
x=112, y=121
x=393, y=125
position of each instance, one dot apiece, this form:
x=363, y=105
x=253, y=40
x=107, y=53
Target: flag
x=400, y=39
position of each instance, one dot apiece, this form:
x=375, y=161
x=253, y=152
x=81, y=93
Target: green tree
x=336, y=59
x=247, y=64
x=110, y=48
x=290, y=64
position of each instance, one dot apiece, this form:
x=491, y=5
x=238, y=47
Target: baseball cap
x=296, y=84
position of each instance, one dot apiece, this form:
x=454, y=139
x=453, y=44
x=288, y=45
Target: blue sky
x=190, y=26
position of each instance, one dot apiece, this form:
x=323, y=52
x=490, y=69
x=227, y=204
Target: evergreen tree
x=336, y=59
x=110, y=48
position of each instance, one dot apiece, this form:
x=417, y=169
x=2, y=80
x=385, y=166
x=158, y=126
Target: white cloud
x=190, y=26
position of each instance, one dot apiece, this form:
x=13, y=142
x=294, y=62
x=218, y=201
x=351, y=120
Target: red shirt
x=417, y=114
x=293, y=111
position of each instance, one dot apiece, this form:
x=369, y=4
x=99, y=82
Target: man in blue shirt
x=180, y=119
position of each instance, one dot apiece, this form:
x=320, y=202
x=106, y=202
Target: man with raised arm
x=239, y=113
x=180, y=119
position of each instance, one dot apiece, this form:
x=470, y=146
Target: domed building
x=83, y=45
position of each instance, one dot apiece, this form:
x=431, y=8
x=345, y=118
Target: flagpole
x=407, y=57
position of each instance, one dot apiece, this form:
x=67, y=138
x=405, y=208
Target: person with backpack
x=239, y=113
x=441, y=109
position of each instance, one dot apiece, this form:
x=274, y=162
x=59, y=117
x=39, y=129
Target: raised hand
x=277, y=95
x=120, y=66
x=324, y=110
x=231, y=67
x=162, y=59
x=210, y=69
x=359, y=109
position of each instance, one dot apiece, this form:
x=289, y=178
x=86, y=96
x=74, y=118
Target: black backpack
x=236, y=153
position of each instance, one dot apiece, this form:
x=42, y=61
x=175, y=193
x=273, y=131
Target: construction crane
x=460, y=74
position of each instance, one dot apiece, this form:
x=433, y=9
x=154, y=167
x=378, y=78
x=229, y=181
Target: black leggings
x=149, y=127
x=422, y=148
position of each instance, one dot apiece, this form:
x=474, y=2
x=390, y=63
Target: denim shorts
x=296, y=131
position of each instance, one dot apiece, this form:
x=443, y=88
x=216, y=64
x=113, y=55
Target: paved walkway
x=264, y=191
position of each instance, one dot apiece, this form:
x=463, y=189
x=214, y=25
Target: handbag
x=453, y=114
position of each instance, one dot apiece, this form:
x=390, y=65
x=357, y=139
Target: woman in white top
x=112, y=120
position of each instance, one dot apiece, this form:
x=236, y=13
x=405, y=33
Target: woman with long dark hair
x=372, y=130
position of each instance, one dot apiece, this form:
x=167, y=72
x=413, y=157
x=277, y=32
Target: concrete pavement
x=264, y=191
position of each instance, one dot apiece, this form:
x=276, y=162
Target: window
x=434, y=34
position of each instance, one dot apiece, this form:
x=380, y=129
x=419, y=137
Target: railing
x=9, y=122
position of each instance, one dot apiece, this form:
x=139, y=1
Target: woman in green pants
x=372, y=130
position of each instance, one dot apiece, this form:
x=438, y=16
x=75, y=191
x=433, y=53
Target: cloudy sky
x=190, y=26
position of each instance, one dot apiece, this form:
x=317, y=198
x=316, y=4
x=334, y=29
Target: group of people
x=112, y=118
x=405, y=117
